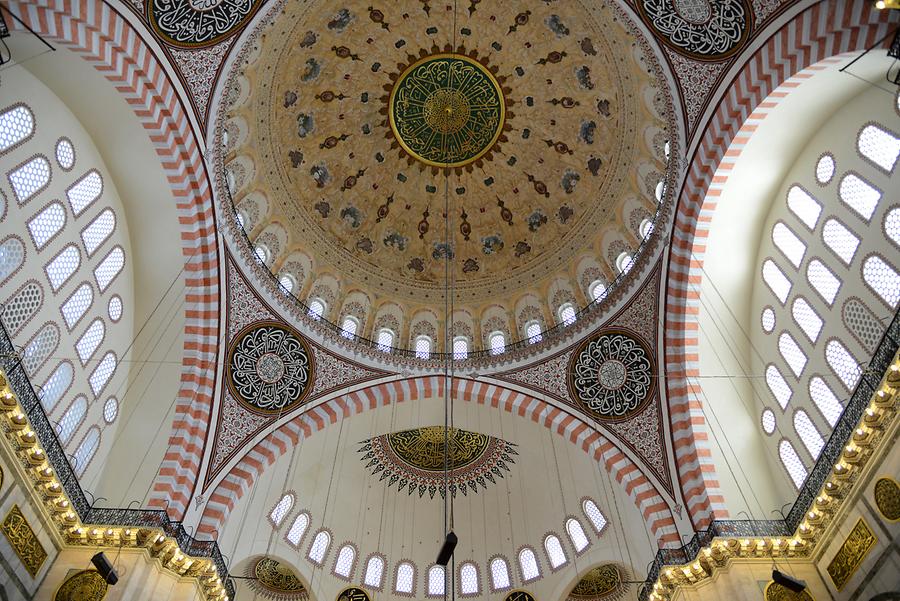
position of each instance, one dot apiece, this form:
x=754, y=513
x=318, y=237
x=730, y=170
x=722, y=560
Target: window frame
x=521, y=567
x=337, y=556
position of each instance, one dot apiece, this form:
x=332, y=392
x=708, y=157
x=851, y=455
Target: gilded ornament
x=701, y=29
x=887, y=498
x=851, y=554
x=353, y=594
x=199, y=23
x=519, y=596
x=276, y=580
x=86, y=585
x=598, y=583
x=447, y=110
x=24, y=541
x=776, y=592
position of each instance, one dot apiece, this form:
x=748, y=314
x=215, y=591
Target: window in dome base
x=859, y=195
x=460, y=348
x=319, y=548
x=597, y=289
x=528, y=565
x=567, y=314
x=405, y=578
x=468, y=579
x=879, y=146
x=343, y=565
x=423, y=347
x=385, y=340
x=316, y=308
x=840, y=240
x=778, y=386
x=498, y=343
x=298, y=529
x=576, y=535
x=823, y=281
x=808, y=433
x=499, y=574
x=533, y=332
x=436, y=581
x=804, y=206
x=555, y=552
x=281, y=509
x=374, y=572
x=349, y=327
x=775, y=279
x=792, y=463
x=882, y=278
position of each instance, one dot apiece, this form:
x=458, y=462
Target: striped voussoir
x=823, y=30
x=241, y=477
x=94, y=30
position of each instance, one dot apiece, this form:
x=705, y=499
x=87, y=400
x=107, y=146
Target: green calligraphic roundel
x=447, y=110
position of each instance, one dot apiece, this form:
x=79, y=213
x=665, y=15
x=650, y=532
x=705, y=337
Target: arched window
x=823, y=281
x=287, y=283
x=22, y=306
x=63, y=266
x=804, y=206
x=840, y=240
x=98, y=231
x=40, y=347
x=566, y=314
x=792, y=353
x=825, y=400
x=77, y=305
x=498, y=343
x=555, y=552
x=879, y=146
x=806, y=317
x=47, y=224
x=65, y=153
x=85, y=191
x=405, y=578
x=460, y=348
x=58, y=382
x=319, y=547
x=86, y=450
x=240, y=219
x=500, y=574
x=576, y=534
x=825, y=169
x=110, y=410
x=660, y=190
x=281, y=509
x=842, y=363
x=262, y=253
x=778, y=386
x=892, y=225
x=436, y=581
x=594, y=515
x=645, y=228
x=775, y=279
x=423, y=347
x=808, y=433
x=343, y=565
x=71, y=419
x=374, y=575
x=791, y=462
x=12, y=254
x=30, y=178
x=90, y=340
x=103, y=372
x=316, y=308
x=349, y=326
x=298, y=529
x=623, y=262
x=468, y=579
x=768, y=421
x=528, y=565
x=385, y=339
x=883, y=279
x=597, y=290
x=16, y=126
x=533, y=332
x=788, y=243
x=109, y=268
x=859, y=195
x=667, y=149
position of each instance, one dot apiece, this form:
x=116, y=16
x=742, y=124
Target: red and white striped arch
x=821, y=31
x=106, y=40
x=241, y=477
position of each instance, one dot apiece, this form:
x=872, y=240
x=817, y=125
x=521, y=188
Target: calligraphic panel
x=86, y=585
x=24, y=541
x=851, y=554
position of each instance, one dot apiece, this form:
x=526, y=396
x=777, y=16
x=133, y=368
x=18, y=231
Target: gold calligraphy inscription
x=519, y=596
x=887, y=498
x=851, y=554
x=353, y=594
x=597, y=583
x=424, y=447
x=86, y=585
x=277, y=577
x=776, y=592
x=24, y=541
x=447, y=110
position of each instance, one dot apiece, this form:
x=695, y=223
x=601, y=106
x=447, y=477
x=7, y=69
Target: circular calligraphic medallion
x=887, y=498
x=447, y=110
x=270, y=368
x=611, y=375
x=199, y=23
x=87, y=584
x=700, y=29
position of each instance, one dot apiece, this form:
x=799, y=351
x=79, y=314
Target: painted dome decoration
x=276, y=580
x=199, y=23
x=700, y=29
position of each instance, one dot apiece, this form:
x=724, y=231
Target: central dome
x=524, y=142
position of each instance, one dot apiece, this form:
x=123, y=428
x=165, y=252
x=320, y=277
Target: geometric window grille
x=806, y=318
x=58, y=382
x=30, y=178
x=533, y=332
x=788, y=243
x=22, y=307
x=436, y=581
x=47, y=223
x=883, y=279
x=554, y=551
x=839, y=239
x=90, y=340
x=344, y=562
x=262, y=253
x=862, y=323
x=85, y=191
x=109, y=268
x=86, y=450
x=404, y=581
x=468, y=579
x=576, y=534
x=65, y=154
x=498, y=343
x=423, y=347
x=287, y=283
x=319, y=548
x=824, y=398
x=110, y=410
x=40, y=348
x=842, y=363
x=98, y=231
x=460, y=348
x=374, y=572
x=597, y=289
x=62, y=266
x=793, y=355
x=499, y=574
x=807, y=432
x=316, y=308
x=594, y=515
x=768, y=421
x=528, y=565
x=385, y=338
x=103, y=373
x=349, y=327
x=859, y=195
x=879, y=146
x=776, y=280
x=825, y=169
x=892, y=225
x=77, y=305
x=281, y=509
x=823, y=281
x=567, y=314
x=778, y=386
x=16, y=124
x=115, y=308
x=804, y=206
x=72, y=418
x=298, y=529
x=623, y=262
x=12, y=254
x=792, y=463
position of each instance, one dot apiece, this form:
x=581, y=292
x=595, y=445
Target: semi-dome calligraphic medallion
x=447, y=110
x=270, y=368
x=611, y=375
